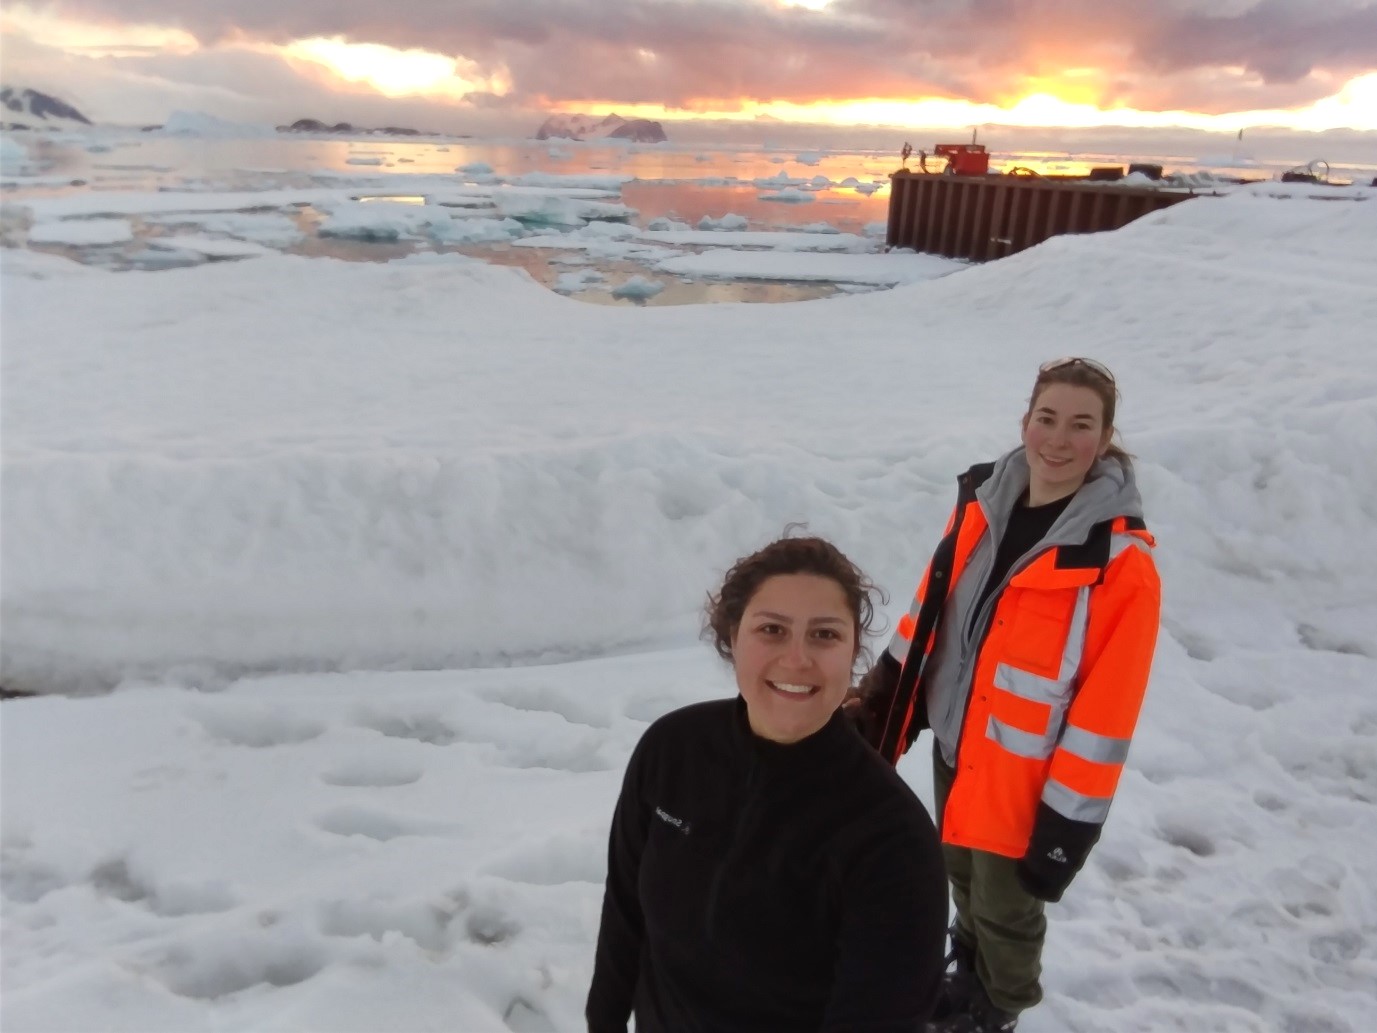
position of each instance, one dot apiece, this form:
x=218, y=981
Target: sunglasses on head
x=1076, y=360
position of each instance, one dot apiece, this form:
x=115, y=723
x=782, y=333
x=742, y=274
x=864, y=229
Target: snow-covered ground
x=391, y=564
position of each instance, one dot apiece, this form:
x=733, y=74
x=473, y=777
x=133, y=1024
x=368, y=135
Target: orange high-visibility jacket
x=1054, y=686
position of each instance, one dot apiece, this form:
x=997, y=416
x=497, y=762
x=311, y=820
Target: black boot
x=986, y=1018
x=952, y=1013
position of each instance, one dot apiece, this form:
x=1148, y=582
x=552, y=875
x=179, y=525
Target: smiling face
x=793, y=652
x=1063, y=435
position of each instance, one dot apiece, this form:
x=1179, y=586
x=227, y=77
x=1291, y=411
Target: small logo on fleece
x=1057, y=855
x=669, y=819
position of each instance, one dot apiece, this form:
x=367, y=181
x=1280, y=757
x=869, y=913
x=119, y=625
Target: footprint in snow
x=380, y=825
x=373, y=773
x=257, y=727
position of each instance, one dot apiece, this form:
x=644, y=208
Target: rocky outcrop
x=311, y=125
x=30, y=109
x=590, y=127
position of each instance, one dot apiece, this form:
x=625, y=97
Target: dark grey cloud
x=1151, y=54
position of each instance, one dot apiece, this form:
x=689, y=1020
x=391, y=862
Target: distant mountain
x=311, y=125
x=29, y=109
x=590, y=127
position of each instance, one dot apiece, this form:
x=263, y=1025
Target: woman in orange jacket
x=1027, y=652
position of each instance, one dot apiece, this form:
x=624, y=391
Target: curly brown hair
x=789, y=555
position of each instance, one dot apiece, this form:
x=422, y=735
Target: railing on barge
x=984, y=217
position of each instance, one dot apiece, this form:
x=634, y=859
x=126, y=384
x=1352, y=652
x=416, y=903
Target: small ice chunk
x=819, y=227
x=553, y=210
x=782, y=179
x=789, y=195
x=210, y=247
x=572, y=283
x=808, y=158
x=730, y=221
x=867, y=188
x=362, y=161
x=662, y=224
x=475, y=231
x=849, y=181
x=476, y=168
x=638, y=288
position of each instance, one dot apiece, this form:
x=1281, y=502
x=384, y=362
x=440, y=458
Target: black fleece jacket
x=763, y=888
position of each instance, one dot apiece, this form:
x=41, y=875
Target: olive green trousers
x=995, y=915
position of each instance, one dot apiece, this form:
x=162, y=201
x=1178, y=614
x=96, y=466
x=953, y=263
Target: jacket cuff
x=1057, y=850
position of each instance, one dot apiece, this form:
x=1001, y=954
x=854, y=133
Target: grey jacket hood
x=1110, y=491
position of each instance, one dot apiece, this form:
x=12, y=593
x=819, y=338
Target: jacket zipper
x=733, y=843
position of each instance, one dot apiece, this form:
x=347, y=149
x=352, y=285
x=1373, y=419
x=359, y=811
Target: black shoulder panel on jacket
x=1135, y=523
x=1092, y=553
x=974, y=478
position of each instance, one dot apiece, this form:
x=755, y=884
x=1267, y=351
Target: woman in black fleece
x=768, y=872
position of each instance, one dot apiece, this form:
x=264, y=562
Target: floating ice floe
x=603, y=241
x=477, y=168
x=790, y=195
x=868, y=188
x=667, y=225
x=638, y=288
x=775, y=240
x=730, y=222
x=83, y=232
x=610, y=184
x=809, y=157
x=267, y=228
x=556, y=209
x=818, y=227
x=381, y=221
x=474, y=231
x=572, y=283
x=881, y=270
x=355, y=160
x=783, y=179
x=207, y=246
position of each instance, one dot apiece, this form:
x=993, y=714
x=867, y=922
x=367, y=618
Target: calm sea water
x=667, y=180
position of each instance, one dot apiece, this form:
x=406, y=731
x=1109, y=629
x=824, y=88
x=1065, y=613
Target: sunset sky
x=493, y=65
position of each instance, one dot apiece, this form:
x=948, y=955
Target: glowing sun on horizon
x=394, y=73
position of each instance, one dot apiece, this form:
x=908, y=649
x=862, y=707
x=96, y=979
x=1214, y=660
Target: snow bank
x=197, y=492
x=304, y=464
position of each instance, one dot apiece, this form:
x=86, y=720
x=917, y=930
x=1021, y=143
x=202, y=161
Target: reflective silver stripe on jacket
x=1090, y=746
x=1053, y=692
x=1101, y=749
x=898, y=647
x=1019, y=742
x=1076, y=806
